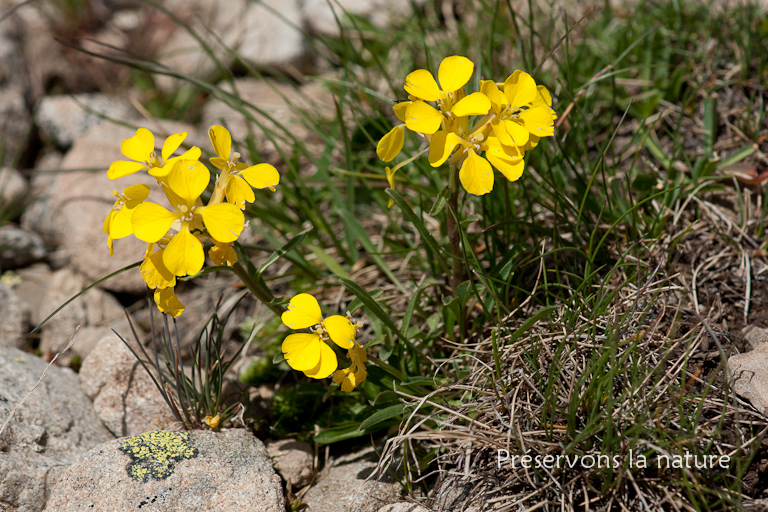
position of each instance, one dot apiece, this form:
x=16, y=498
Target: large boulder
x=170, y=471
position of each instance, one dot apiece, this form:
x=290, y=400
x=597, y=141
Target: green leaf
x=420, y=227
x=440, y=201
x=382, y=415
x=357, y=303
x=369, y=303
x=329, y=262
x=286, y=248
x=348, y=430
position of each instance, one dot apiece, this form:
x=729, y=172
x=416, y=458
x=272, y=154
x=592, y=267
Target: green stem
x=259, y=291
x=453, y=231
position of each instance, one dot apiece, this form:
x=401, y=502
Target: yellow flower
x=355, y=374
x=184, y=253
x=141, y=150
x=239, y=177
x=454, y=73
x=309, y=353
x=167, y=302
x=154, y=272
x=391, y=144
x=222, y=254
x=521, y=110
x=118, y=222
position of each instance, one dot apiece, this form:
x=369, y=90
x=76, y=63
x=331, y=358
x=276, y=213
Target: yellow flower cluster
x=176, y=236
x=310, y=352
x=511, y=118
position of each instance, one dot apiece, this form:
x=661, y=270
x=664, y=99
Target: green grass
x=656, y=102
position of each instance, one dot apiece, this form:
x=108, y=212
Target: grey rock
x=19, y=247
x=35, y=280
x=351, y=484
x=202, y=471
x=95, y=311
x=13, y=188
x=48, y=432
x=292, y=460
x=321, y=15
x=748, y=376
x=14, y=318
x=63, y=119
x=15, y=123
x=265, y=33
x=124, y=396
x=753, y=335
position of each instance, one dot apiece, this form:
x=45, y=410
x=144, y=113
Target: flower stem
x=259, y=291
x=453, y=231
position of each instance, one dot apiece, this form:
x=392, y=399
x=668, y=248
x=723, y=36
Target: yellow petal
x=122, y=168
x=303, y=311
x=261, y=176
x=165, y=170
x=516, y=132
x=476, y=175
x=135, y=194
x=224, y=221
x=188, y=180
x=441, y=146
x=497, y=98
x=399, y=109
x=422, y=84
x=302, y=351
x=423, y=118
x=168, y=303
x=222, y=254
x=543, y=98
x=454, y=73
x=192, y=153
x=239, y=192
x=151, y=222
x=344, y=378
x=121, y=226
x=340, y=330
x=533, y=141
x=391, y=144
x=140, y=146
x=520, y=88
x=154, y=272
x=108, y=220
x=391, y=180
x=538, y=121
x=476, y=104
x=184, y=253
x=327, y=365
x=507, y=159
x=172, y=143
x=221, y=141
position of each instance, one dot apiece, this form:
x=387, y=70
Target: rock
x=124, y=396
x=13, y=134
x=170, y=471
x=292, y=460
x=347, y=487
x=13, y=187
x=48, y=432
x=34, y=283
x=96, y=312
x=14, y=318
x=748, y=375
x=753, y=336
x=321, y=15
x=82, y=200
x=19, y=247
x=403, y=507
x=265, y=33
x=63, y=119
x=273, y=100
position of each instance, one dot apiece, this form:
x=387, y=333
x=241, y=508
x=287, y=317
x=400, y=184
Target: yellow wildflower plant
x=310, y=352
x=508, y=122
x=140, y=149
x=184, y=253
